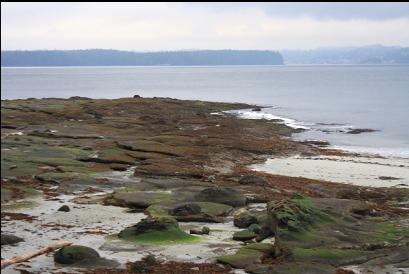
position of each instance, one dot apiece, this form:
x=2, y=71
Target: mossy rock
x=186, y=209
x=222, y=195
x=83, y=256
x=243, y=218
x=256, y=228
x=208, y=212
x=215, y=209
x=152, y=231
x=297, y=214
x=75, y=253
x=331, y=255
x=244, y=235
x=139, y=199
x=245, y=256
x=15, y=161
x=390, y=233
x=159, y=212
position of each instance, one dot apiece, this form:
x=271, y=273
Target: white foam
x=249, y=114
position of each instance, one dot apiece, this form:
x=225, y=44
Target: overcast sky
x=175, y=26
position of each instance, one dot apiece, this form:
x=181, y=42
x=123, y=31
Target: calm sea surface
x=326, y=99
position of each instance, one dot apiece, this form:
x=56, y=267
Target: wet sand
x=359, y=170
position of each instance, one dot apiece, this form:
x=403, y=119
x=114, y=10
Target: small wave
x=249, y=114
x=332, y=128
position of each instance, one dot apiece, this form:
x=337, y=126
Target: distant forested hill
x=376, y=54
x=100, y=57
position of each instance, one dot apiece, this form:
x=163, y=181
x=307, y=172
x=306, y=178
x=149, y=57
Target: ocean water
x=325, y=100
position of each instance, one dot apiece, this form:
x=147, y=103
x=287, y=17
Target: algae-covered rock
x=289, y=215
x=206, y=230
x=209, y=212
x=333, y=256
x=75, y=253
x=82, y=256
x=138, y=199
x=243, y=218
x=256, y=228
x=215, y=209
x=246, y=256
x=149, y=224
x=186, y=209
x=296, y=214
x=222, y=195
x=244, y=235
x=155, y=231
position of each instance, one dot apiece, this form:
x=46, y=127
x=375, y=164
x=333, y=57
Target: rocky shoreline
x=137, y=175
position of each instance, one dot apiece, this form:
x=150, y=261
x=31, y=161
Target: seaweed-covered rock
x=244, y=235
x=149, y=224
x=186, y=209
x=138, y=199
x=155, y=231
x=296, y=214
x=9, y=239
x=222, y=195
x=256, y=228
x=243, y=218
x=248, y=255
x=205, y=230
x=75, y=254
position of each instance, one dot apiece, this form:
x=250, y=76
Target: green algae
x=390, y=233
x=244, y=235
x=171, y=235
x=246, y=255
x=159, y=212
x=214, y=209
x=327, y=253
x=300, y=236
x=297, y=214
x=26, y=160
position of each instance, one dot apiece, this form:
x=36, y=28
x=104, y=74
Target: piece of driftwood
x=47, y=249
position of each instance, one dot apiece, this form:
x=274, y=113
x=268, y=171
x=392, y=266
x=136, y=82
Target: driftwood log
x=19, y=259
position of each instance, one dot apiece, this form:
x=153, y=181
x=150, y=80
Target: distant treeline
x=100, y=57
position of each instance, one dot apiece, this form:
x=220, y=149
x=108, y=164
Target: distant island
x=103, y=57
x=375, y=54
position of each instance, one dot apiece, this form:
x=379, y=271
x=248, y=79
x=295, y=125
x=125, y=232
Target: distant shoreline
x=100, y=57
x=190, y=66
